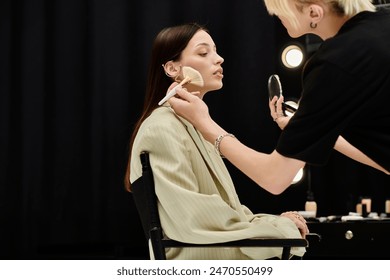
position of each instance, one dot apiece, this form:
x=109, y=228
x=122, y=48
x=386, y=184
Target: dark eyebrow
x=202, y=44
x=205, y=44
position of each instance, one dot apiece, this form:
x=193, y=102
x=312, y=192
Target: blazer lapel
x=225, y=184
x=202, y=149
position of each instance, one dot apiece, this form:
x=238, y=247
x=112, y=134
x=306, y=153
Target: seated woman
x=197, y=200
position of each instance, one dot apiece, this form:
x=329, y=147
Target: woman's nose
x=220, y=59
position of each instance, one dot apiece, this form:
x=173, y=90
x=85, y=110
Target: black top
x=346, y=91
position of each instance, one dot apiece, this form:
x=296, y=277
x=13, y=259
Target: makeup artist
x=344, y=102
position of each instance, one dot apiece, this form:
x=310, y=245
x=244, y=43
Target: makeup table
x=347, y=240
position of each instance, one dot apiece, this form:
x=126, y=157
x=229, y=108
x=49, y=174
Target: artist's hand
x=277, y=112
x=190, y=107
x=299, y=221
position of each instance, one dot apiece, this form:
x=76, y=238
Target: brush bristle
x=194, y=75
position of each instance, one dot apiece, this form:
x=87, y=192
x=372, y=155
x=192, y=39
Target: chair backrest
x=145, y=199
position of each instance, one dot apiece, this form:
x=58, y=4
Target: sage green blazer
x=197, y=200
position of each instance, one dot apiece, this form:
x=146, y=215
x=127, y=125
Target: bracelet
x=218, y=142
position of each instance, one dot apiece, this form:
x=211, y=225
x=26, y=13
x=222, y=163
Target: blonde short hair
x=341, y=7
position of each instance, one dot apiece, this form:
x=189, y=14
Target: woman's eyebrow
x=205, y=44
x=202, y=44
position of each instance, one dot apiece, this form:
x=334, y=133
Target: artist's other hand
x=298, y=220
x=277, y=112
x=190, y=107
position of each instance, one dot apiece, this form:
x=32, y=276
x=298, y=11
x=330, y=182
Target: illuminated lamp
x=292, y=56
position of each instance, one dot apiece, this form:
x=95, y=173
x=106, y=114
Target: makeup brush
x=190, y=76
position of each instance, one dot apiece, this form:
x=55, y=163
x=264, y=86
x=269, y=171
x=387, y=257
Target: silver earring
x=313, y=25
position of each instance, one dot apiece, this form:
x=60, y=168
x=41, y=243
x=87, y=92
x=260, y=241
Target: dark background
x=72, y=78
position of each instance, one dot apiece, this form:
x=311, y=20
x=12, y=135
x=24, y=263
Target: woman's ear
x=171, y=69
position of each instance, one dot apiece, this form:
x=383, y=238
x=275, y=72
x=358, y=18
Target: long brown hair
x=168, y=45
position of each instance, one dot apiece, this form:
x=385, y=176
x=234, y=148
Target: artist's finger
x=172, y=86
x=279, y=104
x=184, y=94
x=272, y=104
x=196, y=93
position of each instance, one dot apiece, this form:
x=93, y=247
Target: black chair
x=146, y=203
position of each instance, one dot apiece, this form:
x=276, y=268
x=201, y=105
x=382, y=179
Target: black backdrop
x=72, y=75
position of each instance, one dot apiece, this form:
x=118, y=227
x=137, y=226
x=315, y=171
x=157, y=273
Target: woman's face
x=201, y=54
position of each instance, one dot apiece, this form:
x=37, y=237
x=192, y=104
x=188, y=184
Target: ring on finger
x=278, y=116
